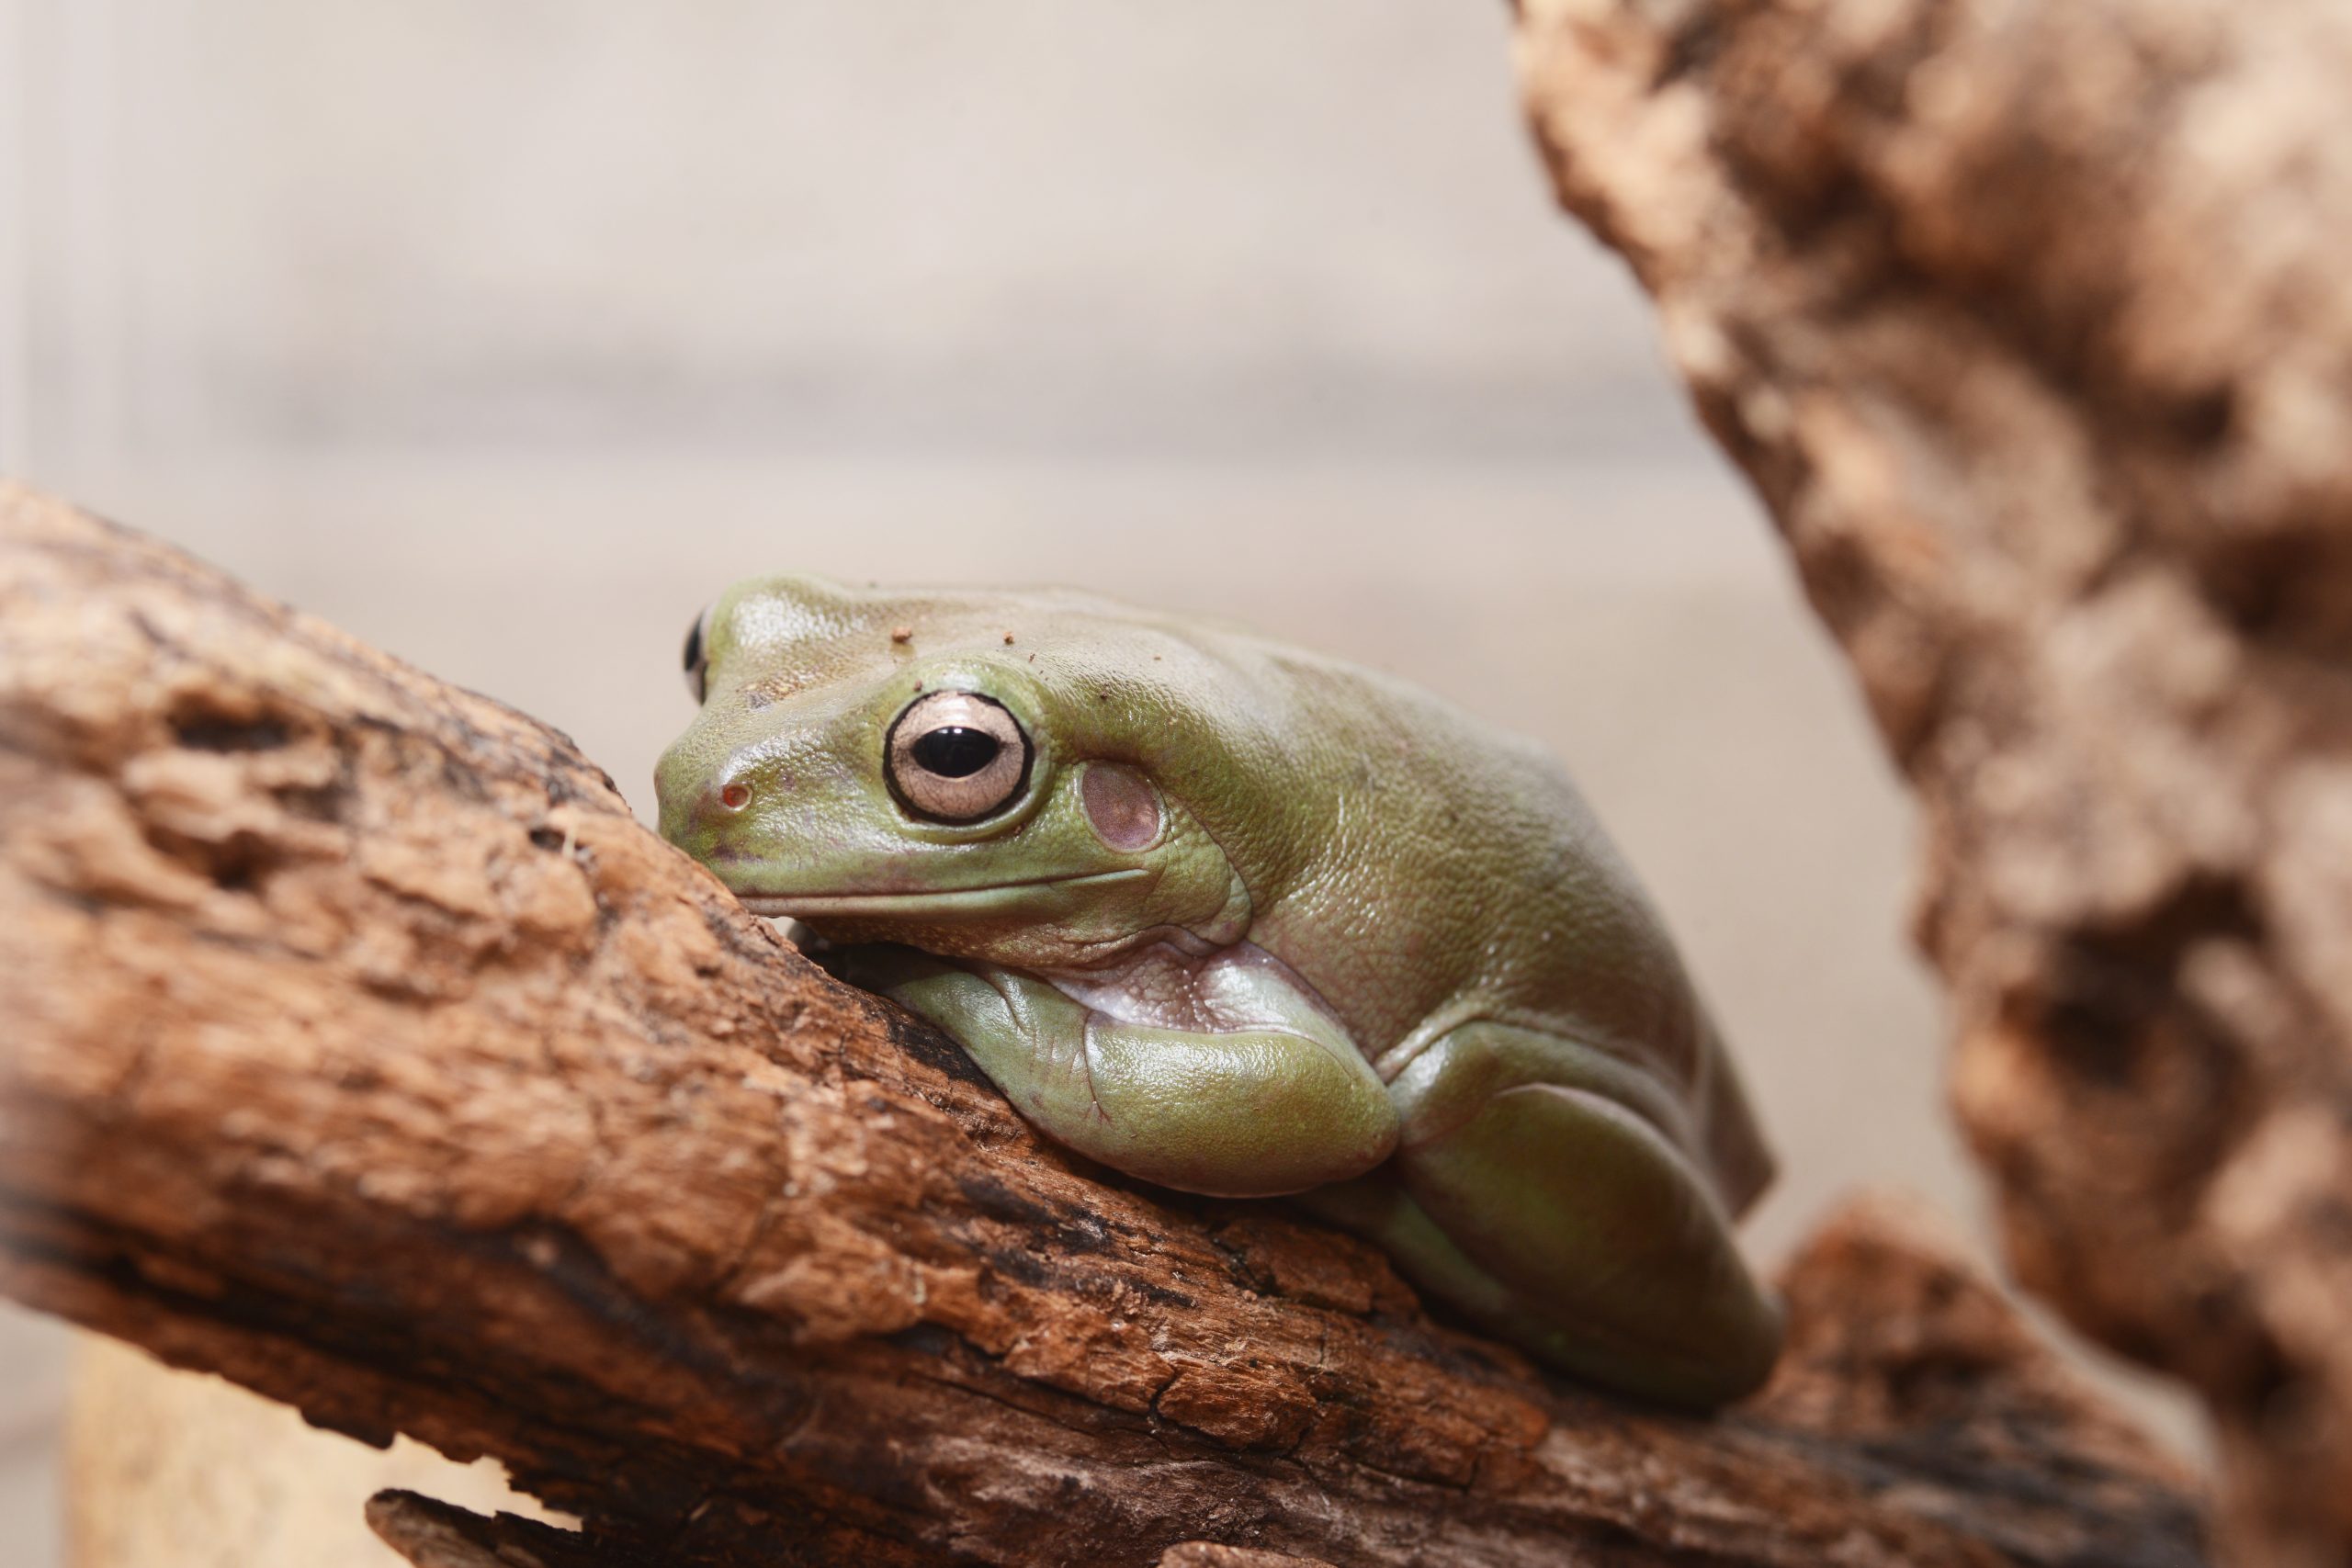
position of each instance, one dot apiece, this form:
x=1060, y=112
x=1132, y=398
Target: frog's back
x=1435, y=871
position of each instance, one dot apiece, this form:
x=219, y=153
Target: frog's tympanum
x=1244, y=921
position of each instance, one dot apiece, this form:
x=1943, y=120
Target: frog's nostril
x=735, y=796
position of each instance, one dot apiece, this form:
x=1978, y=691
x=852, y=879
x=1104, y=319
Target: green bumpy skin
x=1242, y=921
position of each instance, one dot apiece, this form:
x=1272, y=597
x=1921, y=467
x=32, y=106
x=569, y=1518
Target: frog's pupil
x=954, y=751
x=694, y=646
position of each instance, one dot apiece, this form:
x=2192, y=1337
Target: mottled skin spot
x=1247, y=921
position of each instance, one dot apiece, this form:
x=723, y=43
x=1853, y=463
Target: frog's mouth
x=1040, y=896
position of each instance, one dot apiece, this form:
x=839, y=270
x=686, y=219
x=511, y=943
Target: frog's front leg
x=1529, y=1195
x=1219, y=1079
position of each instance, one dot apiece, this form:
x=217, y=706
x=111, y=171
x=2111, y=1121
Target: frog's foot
x=1218, y=1077
x=1557, y=1218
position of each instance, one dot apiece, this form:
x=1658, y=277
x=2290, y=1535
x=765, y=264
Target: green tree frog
x=1243, y=920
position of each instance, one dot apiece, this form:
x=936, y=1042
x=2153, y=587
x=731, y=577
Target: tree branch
x=362, y=1048
x=2033, y=325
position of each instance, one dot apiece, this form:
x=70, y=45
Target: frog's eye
x=957, y=756
x=698, y=654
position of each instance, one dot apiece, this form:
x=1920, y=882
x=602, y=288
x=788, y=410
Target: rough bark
x=363, y=1048
x=2032, y=323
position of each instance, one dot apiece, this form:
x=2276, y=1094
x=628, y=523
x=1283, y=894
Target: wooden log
x=2032, y=326
x=363, y=1048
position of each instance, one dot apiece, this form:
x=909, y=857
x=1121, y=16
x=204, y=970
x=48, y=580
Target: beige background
x=504, y=331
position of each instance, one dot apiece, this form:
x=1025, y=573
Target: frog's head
x=974, y=774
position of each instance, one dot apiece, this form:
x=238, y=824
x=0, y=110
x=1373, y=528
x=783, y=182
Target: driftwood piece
x=431, y=1534
x=361, y=1047
x=2032, y=323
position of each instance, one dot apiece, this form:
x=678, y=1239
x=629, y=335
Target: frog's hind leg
x=1530, y=1198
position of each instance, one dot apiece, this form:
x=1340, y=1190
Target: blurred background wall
x=504, y=331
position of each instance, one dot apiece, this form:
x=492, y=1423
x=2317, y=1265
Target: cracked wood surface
x=363, y=1048
x=2033, y=327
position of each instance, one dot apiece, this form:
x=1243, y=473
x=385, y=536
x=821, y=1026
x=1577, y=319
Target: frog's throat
x=1040, y=896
